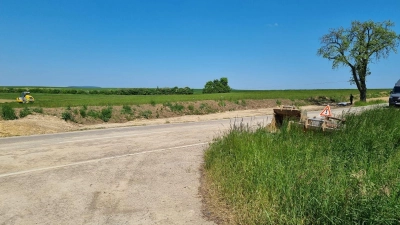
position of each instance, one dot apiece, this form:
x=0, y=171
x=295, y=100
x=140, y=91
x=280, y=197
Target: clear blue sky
x=149, y=43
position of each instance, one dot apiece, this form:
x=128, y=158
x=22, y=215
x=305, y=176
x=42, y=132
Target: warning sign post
x=326, y=111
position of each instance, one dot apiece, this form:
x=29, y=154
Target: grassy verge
x=373, y=102
x=64, y=100
x=293, y=177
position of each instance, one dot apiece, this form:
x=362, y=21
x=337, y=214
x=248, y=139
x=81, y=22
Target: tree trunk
x=363, y=90
x=361, y=71
x=363, y=95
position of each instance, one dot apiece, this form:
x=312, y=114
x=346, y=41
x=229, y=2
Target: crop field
x=64, y=100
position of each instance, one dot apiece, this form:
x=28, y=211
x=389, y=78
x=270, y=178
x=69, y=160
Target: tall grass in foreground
x=351, y=176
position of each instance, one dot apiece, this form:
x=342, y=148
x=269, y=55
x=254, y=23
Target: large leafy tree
x=357, y=47
x=217, y=86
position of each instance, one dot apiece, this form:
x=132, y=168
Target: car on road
x=394, y=98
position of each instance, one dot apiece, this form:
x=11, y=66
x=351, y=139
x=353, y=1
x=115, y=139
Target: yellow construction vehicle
x=26, y=97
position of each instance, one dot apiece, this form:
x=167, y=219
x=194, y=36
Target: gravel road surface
x=131, y=175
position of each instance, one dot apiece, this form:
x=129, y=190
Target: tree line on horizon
x=216, y=86
x=120, y=91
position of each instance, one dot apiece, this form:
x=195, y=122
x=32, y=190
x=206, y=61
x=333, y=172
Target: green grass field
x=63, y=100
x=350, y=176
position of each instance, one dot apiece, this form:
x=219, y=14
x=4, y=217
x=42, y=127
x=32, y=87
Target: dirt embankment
x=50, y=121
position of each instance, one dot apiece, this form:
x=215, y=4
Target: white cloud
x=272, y=25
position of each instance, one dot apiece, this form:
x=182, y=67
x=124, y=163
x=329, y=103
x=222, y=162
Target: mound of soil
x=35, y=124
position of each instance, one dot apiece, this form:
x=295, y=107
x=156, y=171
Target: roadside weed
x=25, y=112
x=146, y=114
x=350, y=176
x=8, y=113
x=106, y=114
x=67, y=115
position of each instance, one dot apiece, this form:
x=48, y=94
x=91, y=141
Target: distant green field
x=63, y=100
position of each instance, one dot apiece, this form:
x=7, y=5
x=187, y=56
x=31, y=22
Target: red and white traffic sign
x=326, y=111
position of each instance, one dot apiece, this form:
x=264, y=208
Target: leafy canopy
x=217, y=86
x=358, y=46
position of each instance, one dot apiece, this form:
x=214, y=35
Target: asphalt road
x=131, y=175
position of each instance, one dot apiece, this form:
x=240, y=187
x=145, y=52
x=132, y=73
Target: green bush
x=177, y=107
x=8, y=113
x=174, y=107
x=126, y=109
x=24, y=112
x=106, y=114
x=350, y=176
x=191, y=107
x=153, y=103
x=82, y=112
x=94, y=114
x=38, y=110
x=67, y=115
x=146, y=114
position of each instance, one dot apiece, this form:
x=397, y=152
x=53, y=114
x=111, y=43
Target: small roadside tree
x=357, y=46
x=217, y=86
